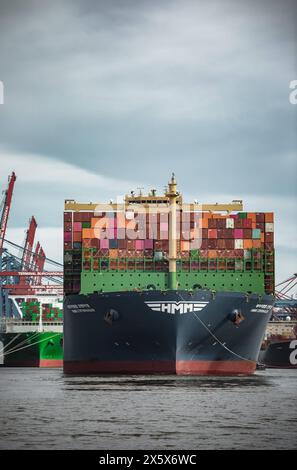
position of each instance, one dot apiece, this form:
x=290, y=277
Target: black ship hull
x=280, y=354
x=174, y=332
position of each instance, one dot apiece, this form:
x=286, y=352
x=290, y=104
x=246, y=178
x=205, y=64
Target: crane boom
x=6, y=208
x=29, y=242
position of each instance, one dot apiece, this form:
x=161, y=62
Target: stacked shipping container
x=206, y=241
x=31, y=311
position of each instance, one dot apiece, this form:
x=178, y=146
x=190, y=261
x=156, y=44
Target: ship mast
x=172, y=195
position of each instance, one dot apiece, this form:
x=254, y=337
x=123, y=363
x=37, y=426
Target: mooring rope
x=216, y=338
x=33, y=336
x=29, y=345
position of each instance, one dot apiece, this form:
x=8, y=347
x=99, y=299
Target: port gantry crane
x=6, y=208
x=22, y=275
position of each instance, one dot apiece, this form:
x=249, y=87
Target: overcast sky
x=101, y=97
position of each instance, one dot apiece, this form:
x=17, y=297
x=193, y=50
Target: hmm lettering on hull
x=176, y=307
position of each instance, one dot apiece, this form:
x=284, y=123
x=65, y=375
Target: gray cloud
x=134, y=89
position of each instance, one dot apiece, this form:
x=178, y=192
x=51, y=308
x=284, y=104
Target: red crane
x=39, y=263
x=35, y=256
x=30, y=235
x=6, y=208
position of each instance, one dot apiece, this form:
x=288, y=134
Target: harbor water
x=44, y=409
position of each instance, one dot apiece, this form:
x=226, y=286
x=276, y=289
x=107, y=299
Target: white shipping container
x=229, y=223
x=269, y=227
x=247, y=254
x=238, y=244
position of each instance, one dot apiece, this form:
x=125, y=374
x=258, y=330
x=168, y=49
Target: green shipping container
x=86, y=224
x=194, y=254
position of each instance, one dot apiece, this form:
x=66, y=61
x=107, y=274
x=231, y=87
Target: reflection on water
x=43, y=409
x=120, y=382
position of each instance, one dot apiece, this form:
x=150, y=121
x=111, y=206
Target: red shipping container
x=212, y=233
x=67, y=236
x=221, y=223
x=229, y=243
x=212, y=244
x=238, y=233
x=204, y=233
x=148, y=244
x=86, y=216
x=221, y=244
x=122, y=244
x=221, y=233
x=238, y=223
x=269, y=237
x=204, y=244
x=165, y=244
x=268, y=246
x=247, y=223
x=247, y=232
x=228, y=233
x=238, y=253
x=67, y=245
x=67, y=216
x=77, y=217
x=212, y=223
x=95, y=243
x=260, y=217
x=77, y=227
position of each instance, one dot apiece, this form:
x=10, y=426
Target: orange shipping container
x=256, y=243
x=252, y=216
x=269, y=217
x=88, y=233
x=113, y=254
x=247, y=244
x=184, y=246
x=212, y=253
x=204, y=223
x=212, y=233
x=262, y=237
x=77, y=236
x=100, y=222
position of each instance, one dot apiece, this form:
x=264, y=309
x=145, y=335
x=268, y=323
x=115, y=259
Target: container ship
x=35, y=337
x=154, y=285
x=279, y=348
